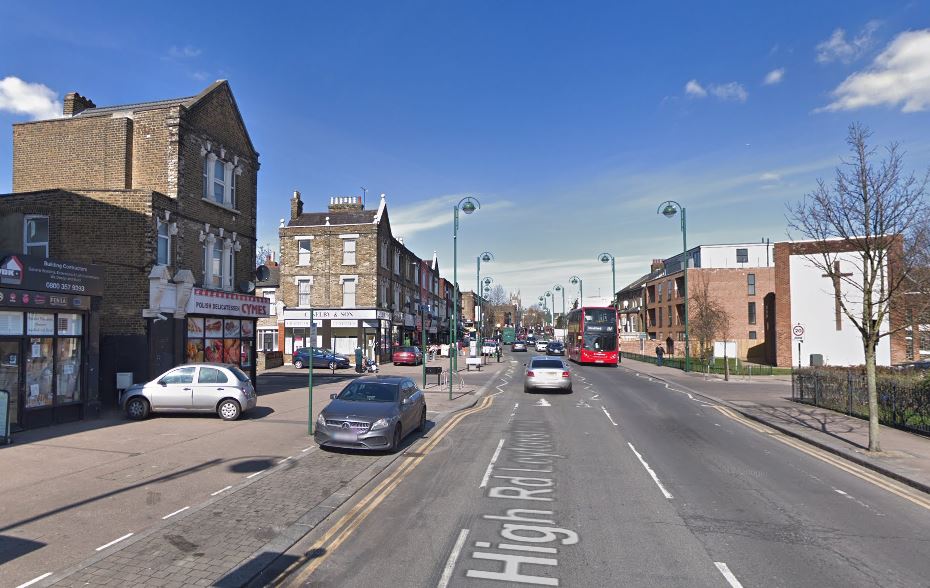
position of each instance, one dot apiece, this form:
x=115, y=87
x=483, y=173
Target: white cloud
x=693, y=88
x=729, y=91
x=774, y=77
x=770, y=177
x=409, y=220
x=36, y=100
x=185, y=52
x=899, y=75
x=837, y=48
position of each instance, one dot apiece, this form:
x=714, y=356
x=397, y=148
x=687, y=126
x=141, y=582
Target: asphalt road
x=622, y=483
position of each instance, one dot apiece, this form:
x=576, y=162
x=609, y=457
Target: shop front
x=339, y=329
x=49, y=350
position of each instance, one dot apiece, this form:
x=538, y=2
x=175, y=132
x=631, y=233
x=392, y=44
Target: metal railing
x=903, y=401
x=737, y=367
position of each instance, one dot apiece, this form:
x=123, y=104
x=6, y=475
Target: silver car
x=196, y=387
x=547, y=373
x=541, y=345
x=373, y=412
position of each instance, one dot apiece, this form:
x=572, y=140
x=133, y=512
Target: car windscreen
x=552, y=364
x=408, y=349
x=555, y=345
x=600, y=316
x=369, y=392
x=238, y=373
x=596, y=342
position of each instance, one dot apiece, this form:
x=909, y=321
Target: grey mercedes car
x=195, y=387
x=547, y=373
x=373, y=412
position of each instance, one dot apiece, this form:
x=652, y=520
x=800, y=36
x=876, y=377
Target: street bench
x=435, y=371
x=472, y=361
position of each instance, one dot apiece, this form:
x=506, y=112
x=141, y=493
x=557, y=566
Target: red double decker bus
x=592, y=336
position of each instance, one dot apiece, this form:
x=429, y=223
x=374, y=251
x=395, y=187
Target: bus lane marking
x=725, y=570
x=487, y=474
x=608, y=416
x=655, y=478
x=453, y=557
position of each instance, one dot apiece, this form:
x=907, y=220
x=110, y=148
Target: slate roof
x=102, y=110
x=336, y=217
x=274, y=278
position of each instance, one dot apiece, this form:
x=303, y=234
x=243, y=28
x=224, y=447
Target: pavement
x=767, y=399
x=187, y=499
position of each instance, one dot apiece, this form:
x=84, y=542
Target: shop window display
x=220, y=340
x=39, y=373
x=68, y=371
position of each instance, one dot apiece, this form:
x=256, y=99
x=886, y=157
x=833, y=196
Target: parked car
x=555, y=348
x=541, y=345
x=195, y=387
x=322, y=358
x=531, y=341
x=373, y=412
x=489, y=347
x=547, y=373
x=518, y=346
x=407, y=355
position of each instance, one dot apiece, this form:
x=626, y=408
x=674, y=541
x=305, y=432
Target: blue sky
x=570, y=122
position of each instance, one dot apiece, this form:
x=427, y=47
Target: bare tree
x=497, y=296
x=263, y=253
x=705, y=315
x=724, y=324
x=880, y=211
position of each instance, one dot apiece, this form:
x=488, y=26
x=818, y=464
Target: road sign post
x=798, y=332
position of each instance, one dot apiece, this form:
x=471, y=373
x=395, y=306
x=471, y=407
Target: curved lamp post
x=485, y=291
x=668, y=209
x=485, y=256
x=551, y=313
x=577, y=280
x=542, y=304
x=560, y=288
x=467, y=205
x=604, y=258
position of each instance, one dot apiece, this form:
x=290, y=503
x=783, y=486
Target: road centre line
x=608, y=416
x=34, y=580
x=725, y=570
x=487, y=474
x=220, y=491
x=450, y=563
x=114, y=542
x=856, y=470
x=286, y=458
x=306, y=449
x=345, y=526
x=655, y=478
x=180, y=510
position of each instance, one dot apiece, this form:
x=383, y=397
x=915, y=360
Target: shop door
x=10, y=355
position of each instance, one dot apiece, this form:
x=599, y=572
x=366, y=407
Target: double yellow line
x=860, y=472
x=345, y=526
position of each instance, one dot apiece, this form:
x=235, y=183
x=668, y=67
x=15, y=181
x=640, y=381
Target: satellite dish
x=262, y=273
x=247, y=287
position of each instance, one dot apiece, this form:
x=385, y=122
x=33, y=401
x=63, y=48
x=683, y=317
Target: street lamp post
x=468, y=205
x=485, y=256
x=668, y=209
x=577, y=280
x=605, y=257
x=551, y=311
x=485, y=293
x=560, y=288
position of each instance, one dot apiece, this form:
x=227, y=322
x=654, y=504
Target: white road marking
x=34, y=580
x=115, y=541
x=542, y=402
x=731, y=579
x=250, y=476
x=608, y=416
x=487, y=474
x=716, y=424
x=180, y=510
x=450, y=563
x=838, y=491
x=482, y=544
x=286, y=458
x=655, y=478
x=595, y=397
x=306, y=449
x=221, y=490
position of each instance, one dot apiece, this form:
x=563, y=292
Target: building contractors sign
x=30, y=272
x=214, y=302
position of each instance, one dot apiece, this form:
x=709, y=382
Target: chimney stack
x=657, y=264
x=75, y=103
x=345, y=203
x=297, y=205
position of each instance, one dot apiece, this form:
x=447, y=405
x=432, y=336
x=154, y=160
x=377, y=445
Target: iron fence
x=903, y=401
x=737, y=368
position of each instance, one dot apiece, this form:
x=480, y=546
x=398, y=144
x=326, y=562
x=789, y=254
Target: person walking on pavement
x=659, y=353
x=359, y=364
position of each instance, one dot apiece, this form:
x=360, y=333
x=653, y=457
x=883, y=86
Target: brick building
x=162, y=196
x=364, y=286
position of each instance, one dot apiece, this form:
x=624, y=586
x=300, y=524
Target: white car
x=541, y=345
x=488, y=347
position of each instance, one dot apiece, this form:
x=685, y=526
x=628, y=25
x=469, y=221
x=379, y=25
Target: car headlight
x=381, y=424
x=321, y=420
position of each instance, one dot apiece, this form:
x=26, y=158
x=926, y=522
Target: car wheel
x=422, y=426
x=137, y=409
x=332, y=365
x=298, y=364
x=229, y=410
x=395, y=363
x=398, y=437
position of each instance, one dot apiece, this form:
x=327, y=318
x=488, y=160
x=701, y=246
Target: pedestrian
x=659, y=353
x=359, y=366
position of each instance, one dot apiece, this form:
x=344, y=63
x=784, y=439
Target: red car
x=407, y=356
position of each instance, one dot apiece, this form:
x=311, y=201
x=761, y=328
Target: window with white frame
x=304, y=248
x=163, y=254
x=219, y=177
x=348, y=292
x=384, y=255
x=270, y=294
x=348, y=252
x=216, y=264
x=35, y=235
x=385, y=300
x=267, y=340
x=396, y=298
x=219, y=181
x=416, y=274
x=304, y=288
x=397, y=262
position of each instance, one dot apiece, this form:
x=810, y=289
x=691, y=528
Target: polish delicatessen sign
x=217, y=303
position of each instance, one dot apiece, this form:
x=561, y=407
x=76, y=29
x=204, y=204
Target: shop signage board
x=30, y=272
x=218, y=303
x=31, y=299
x=303, y=323
x=5, y=436
x=354, y=314
x=342, y=324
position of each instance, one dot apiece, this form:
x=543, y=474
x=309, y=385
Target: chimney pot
x=75, y=103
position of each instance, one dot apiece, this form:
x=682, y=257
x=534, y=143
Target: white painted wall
x=724, y=256
x=813, y=306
